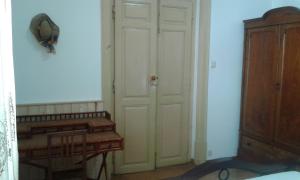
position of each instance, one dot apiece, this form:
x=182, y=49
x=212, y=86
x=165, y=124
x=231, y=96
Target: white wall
x=279, y=3
x=74, y=72
x=226, y=50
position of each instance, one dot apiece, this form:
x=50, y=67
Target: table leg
x=88, y=158
x=103, y=165
x=34, y=164
x=44, y=167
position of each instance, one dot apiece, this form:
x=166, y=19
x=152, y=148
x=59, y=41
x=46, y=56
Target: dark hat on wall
x=45, y=31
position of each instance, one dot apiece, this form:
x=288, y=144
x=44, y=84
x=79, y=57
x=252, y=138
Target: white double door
x=152, y=82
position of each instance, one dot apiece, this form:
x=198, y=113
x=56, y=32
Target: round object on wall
x=45, y=31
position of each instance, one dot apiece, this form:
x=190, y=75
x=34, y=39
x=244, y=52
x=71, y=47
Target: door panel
x=136, y=61
x=137, y=11
x=260, y=94
x=136, y=123
x=174, y=71
x=172, y=49
x=136, y=27
x=171, y=120
x=289, y=118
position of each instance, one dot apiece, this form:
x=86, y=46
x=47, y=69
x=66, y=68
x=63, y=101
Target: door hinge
x=158, y=23
x=158, y=29
x=113, y=87
x=113, y=11
x=155, y=160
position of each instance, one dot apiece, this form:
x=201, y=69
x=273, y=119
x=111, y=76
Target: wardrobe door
x=260, y=82
x=289, y=110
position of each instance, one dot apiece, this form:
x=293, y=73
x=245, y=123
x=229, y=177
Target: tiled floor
x=173, y=171
x=161, y=173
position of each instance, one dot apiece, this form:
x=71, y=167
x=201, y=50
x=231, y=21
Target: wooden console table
x=101, y=135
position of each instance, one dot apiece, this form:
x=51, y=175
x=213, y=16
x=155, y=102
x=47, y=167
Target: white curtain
x=8, y=136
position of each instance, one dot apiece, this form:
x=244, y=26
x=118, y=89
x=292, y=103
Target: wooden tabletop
x=40, y=141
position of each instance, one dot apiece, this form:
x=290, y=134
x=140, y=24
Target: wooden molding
x=282, y=15
x=202, y=82
x=107, y=55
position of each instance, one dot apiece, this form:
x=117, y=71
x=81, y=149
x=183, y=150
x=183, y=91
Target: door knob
x=153, y=80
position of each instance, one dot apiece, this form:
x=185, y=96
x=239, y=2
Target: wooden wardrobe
x=270, y=114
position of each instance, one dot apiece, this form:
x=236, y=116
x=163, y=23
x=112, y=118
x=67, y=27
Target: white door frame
x=107, y=64
x=107, y=43
x=202, y=82
x=107, y=54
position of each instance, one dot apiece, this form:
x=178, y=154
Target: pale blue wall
x=74, y=72
x=226, y=49
x=280, y=3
